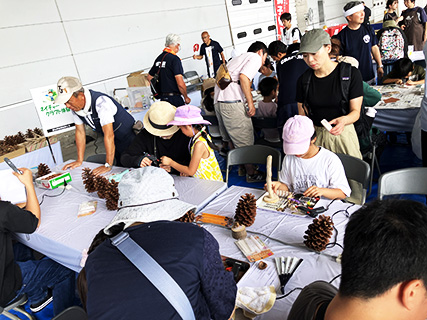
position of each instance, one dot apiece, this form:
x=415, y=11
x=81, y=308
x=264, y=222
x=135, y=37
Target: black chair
x=356, y=170
x=72, y=313
x=253, y=154
x=98, y=158
x=18, y=306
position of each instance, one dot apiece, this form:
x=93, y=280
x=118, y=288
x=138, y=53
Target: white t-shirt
x=288, y=39
x=248, y=64
x=104, y=106
x=324, y=170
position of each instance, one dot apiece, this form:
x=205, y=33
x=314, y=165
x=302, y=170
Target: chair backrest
x=98, y=158
x=72, y=313
x=403, y=181
x=253, y=154
x=356, y=170
x=17, y=306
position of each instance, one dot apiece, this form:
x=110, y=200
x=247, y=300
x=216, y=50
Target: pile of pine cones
x=106, y=190
x=187, y=217
x=318, y=233
x=246, y=210
x=10, y=143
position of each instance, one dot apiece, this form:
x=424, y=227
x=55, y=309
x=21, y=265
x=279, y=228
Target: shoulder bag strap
x=160, y=65
x=306, y=78
x=155, y=274
x=345, y=78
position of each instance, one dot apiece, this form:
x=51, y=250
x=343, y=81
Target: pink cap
x=297, y=134
x=187, y=115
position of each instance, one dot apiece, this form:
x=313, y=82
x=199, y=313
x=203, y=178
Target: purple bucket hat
x=187, y=115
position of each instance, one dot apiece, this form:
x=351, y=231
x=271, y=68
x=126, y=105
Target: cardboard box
x=18, y=152
x=55, y=182
x=138, y=79
x=40, y=142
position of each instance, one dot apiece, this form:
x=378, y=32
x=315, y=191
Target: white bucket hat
x=157, y=117
x=66, y=87
x=148, y=194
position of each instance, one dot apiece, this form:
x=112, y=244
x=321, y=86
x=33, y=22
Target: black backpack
x=364, y=124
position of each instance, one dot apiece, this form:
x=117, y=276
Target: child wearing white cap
x=307, y=168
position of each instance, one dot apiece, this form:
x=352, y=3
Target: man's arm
x=110, y=148
x=182, y=87
x=377, y=57
x=80, y=137
x=198, y=57
x=425, y=32
x=32, y=202
x=245, y=84
x=222, y=57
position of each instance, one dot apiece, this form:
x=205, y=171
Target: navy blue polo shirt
x=358, y=44
x=216, y=54
x=289, y=69
x=171, y=67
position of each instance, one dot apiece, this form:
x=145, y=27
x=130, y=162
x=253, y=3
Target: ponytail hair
x=204, y=134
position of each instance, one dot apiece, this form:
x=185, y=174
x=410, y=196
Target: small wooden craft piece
x=271, y=197
x=238, y=231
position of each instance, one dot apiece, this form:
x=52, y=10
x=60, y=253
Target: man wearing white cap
x=358, y=40
x=149, y=210
x=102, y=114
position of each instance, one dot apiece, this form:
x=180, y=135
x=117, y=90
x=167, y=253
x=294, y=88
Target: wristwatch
x=381, y=66
x=107, y=165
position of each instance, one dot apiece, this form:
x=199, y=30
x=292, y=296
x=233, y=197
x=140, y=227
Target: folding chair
x=403, y=181
x=356, y=170
x=72, y=313
x=98, y=158
x=18, y=306
x=253, y=154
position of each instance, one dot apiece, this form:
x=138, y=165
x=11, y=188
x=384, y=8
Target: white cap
x=66, y=87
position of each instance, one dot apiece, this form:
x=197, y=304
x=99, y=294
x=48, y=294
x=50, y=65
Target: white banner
x=54, y=118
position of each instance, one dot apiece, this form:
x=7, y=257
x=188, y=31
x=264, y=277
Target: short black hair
x=286, y=16
x=402, y=67
x=292, y=48
x=389, y=3
x=267, y=85
x=256, y=46
x=384, y=244
x=276, y=47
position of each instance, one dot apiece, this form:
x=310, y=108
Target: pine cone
x=246, y=210
x=101, y=184
x=318, y=233
x=43, y=170
x=29, y=134
x=112, y=195
x=187, y=217
x=5, y=148
x=38, y=132
x=88, y=180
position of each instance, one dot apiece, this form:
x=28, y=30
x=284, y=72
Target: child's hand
x=410, y=83
x=314, y=191
x=274, y=185
x=399, y=81
x=145, y=162
x=166, y=161
x=182, y=174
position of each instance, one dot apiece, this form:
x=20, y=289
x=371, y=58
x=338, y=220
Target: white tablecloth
x=286, y=228
x=63, y=236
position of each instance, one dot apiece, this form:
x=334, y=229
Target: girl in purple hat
x=203, y=164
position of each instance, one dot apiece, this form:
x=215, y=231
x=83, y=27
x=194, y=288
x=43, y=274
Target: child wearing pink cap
x=307, y=168
x=203, y=164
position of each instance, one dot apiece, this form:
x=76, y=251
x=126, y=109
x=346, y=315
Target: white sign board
x=54, y=118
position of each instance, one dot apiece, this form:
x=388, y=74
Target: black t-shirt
x=390, y=16
x=175, y=148
x=12, y=219
x=216, y=54
x=324, y=94
x=171, y=67
x=289, y=69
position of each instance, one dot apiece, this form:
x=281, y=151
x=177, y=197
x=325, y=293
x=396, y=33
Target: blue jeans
x=39, y=275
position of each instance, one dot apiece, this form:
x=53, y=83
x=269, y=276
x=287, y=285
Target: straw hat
x=157, y=117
